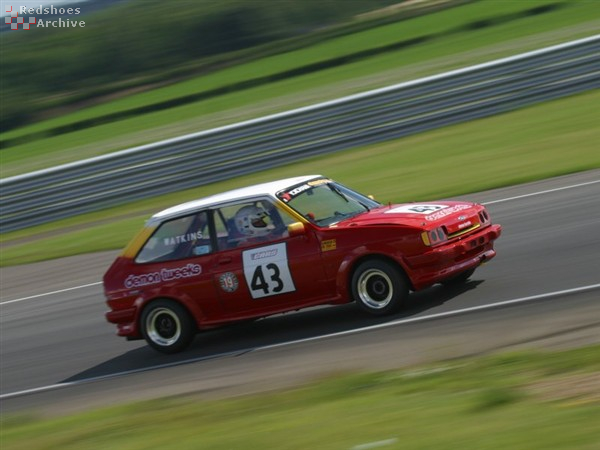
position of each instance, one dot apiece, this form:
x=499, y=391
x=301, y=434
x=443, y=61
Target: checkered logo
x=14, y=20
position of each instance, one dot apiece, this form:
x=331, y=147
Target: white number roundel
x=266, y=271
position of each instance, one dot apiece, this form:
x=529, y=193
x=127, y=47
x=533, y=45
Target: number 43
x=260, y=283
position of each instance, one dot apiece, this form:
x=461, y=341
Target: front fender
x=359, y=254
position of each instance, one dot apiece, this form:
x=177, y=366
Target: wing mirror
x=296, y=229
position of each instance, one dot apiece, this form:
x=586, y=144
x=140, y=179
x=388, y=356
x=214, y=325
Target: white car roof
x=264, y=189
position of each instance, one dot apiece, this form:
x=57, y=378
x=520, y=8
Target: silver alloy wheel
x=375, y=288
x=163, y=327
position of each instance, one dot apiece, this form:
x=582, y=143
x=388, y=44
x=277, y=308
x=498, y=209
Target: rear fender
x=192, y=306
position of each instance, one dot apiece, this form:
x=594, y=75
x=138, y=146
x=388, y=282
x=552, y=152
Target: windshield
x=325, y=202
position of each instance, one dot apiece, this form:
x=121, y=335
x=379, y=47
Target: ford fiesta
x=282, y=246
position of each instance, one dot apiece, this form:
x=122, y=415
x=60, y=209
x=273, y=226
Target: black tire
x=167, y=326
x=379, y=287
x=459, y=279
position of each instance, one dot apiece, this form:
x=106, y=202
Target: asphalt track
x=58, y=355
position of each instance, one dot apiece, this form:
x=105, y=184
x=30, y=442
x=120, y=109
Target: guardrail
x=230, y=151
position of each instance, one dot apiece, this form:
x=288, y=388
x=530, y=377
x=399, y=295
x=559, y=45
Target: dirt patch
x=405, y=5
x=580, y=387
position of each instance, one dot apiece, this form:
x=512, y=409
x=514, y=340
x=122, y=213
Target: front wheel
x=167, y=326
x=379, y=287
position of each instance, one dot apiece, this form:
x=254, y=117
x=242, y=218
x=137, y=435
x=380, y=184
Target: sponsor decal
x=328, y=245
x=299, y=190
x=228, y=282
x=464, y=225
x=415, y=209
x=142, y=280
x=263, y=254
x=319, y=182
x=189, y=270
x=289, y=195
x=201, y=250
x=446, y=212
x=145, y=279
x=188, y=237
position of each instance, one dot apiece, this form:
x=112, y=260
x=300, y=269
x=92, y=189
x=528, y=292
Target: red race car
x=285, y=245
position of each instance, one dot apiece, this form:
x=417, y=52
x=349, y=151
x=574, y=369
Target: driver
x=253, y=223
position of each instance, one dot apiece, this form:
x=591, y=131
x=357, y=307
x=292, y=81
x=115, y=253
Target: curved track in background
x=548, y=262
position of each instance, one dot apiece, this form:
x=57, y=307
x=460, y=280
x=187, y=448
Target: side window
x=250, y=223
x=178, y=238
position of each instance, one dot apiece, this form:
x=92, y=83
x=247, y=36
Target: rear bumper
x=451, y=259
x=125, y=319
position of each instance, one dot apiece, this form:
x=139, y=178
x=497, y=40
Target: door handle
x=225, y=260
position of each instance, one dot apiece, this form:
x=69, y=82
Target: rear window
x=178, y=238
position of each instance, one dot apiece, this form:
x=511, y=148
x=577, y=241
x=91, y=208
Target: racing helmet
x=250, y=221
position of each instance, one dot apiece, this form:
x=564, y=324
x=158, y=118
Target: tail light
x=484, y=217
x=434, y=237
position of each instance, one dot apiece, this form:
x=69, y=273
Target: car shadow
x=240, y=338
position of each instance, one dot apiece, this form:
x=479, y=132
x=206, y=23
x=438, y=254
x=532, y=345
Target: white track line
x=311, y=339
x=50, y=293
x=486, y=203
x=540, y=192
x=438, y=315
x=115, y=375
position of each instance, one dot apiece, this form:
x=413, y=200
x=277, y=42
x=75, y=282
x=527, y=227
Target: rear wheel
x=167, y=326
x=459, y=279
x=379, y=287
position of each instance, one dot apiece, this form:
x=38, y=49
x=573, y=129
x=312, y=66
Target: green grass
x=343, y=46
x=541, y=141
x=372, y=72
x=526, y=400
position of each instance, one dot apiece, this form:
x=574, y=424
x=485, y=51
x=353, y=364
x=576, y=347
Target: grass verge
x=356, y=75
x=549, y=139
x=336, y=52
x=525, y=400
